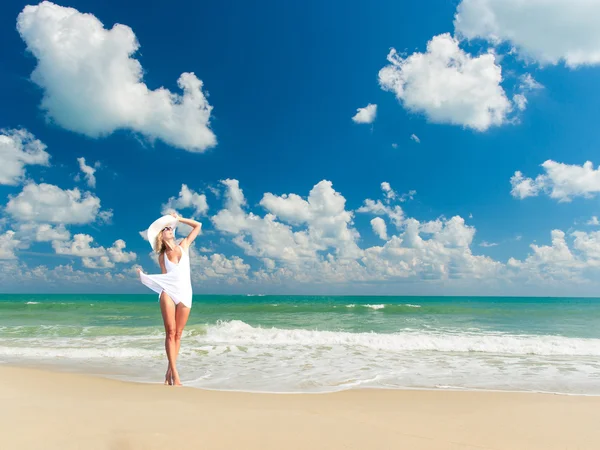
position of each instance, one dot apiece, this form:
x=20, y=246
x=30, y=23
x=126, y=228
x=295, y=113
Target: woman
x=174, y=285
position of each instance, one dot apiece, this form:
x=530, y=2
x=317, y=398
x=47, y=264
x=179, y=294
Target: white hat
x=158, y=225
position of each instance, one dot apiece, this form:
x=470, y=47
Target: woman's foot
x=169, y=377
x=176, y=380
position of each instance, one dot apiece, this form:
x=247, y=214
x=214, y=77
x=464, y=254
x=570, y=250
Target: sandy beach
x=53, y=410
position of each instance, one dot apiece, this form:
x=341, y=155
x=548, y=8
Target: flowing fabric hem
x=149, y=281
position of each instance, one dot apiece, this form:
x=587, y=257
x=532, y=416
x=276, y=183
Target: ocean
x=316, y=344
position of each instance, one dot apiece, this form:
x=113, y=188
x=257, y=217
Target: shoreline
x=116, y=377
x=52, y=410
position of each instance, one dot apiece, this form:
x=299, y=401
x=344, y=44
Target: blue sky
x=281, y=84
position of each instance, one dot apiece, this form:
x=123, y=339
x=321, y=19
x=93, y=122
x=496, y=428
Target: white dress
x=177, y=282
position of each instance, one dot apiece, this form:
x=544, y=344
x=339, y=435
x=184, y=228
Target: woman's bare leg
x=182, y=313
x=167, y=308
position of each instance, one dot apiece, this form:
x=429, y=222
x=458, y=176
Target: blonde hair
x=159, y=243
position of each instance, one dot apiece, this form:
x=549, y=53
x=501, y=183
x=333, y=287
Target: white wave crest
x=236, y=332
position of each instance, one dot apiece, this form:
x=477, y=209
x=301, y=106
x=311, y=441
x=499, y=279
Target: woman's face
x=167, y=232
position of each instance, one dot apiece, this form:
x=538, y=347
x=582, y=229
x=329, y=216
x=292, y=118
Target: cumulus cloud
x=61, y=276
x=446, y=254
x=43, y=232
x=379, y=208
x=93, y=85
x=19, y=148
x=438, y=249
x=366, y=114
x=523, y=187
x=448, y=85
x=259, y=236
x=88, y=172
x=310, y=240
x=218, y=267
x=79, y=246
x=379, y=228
x=8, y=244
x=117, y=254
x=547, y=31
x=415, y=138
x=327, y=224
x=94, y=257
x=558, y=262
x=48, y=203
x=186, y=199
x=560, y=181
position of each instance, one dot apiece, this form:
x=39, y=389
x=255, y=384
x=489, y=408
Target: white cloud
x=394, y=145
x=378, y=208
x=79, y=246
x=218, y=266
x=488, y=244
x=310, y=242
x=8, y=244
x=387, y=189
x=366, y=114
x=520, y=101
x=455, y=233
x=588, y=244
x=561, y=181
x=526, y=85
x=19, y=148
x=48, y=203
x=558, y=262
x=61, y=277
x=445, y=254
x=295, y=256
x=186, y=199
x=593, y=221
x=431, y=227
x=94, y=257
x=93, y=85
x=448, y=85
x=548, y=31
x=328, y=224
x=117, y=254
x=267, y=237
x=415, y=138
x=43, y=232
x=105, y=216
x=88, y=172
x=523, y=187
x=379, y=228
x=409, y=196
x=102, y=262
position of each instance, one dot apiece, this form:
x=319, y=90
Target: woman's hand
x=175, y=215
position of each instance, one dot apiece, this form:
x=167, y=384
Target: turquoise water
x=317, y=344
